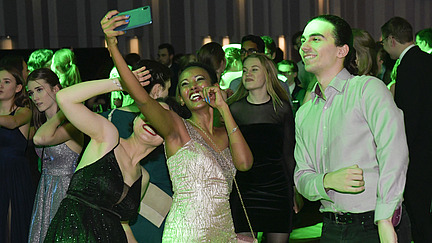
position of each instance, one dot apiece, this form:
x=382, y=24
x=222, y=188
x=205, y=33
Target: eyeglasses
x=382, y=41
x=250, y=51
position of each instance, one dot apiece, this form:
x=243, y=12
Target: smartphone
x=138, y=17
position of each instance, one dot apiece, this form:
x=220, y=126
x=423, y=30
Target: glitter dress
x=202, y=180
x=15, y=185
x=97, y=200
x=58, y=165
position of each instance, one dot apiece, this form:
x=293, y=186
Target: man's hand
x=348, y=180
x=386, y=231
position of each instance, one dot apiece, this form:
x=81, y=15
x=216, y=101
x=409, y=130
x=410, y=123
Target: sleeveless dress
x=155, y=164
x=267, y=188
x=96, y=201
x=15, y=185
x=202, y=180
x=58, y=165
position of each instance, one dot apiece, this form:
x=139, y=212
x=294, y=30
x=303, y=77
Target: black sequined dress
x=97, y=200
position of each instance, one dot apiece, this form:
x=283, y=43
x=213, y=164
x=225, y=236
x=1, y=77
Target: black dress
x=16, y=187
x=267, y=188
x=97, y=200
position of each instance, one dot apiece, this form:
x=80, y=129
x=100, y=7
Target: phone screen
x=138, y=17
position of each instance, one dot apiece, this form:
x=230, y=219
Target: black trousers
x=357, y=231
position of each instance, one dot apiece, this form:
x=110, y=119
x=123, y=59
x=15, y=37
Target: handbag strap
x=235, y=181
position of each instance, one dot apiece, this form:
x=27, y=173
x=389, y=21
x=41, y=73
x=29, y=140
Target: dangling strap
x=244, y=208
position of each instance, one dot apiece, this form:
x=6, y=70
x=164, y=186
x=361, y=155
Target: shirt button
x=325, y=107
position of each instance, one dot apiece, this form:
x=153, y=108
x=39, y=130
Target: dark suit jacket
x=413, y=95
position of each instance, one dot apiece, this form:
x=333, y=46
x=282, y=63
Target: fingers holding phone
x=111, y=21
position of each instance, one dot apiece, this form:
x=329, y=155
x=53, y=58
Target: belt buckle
x=340, y=219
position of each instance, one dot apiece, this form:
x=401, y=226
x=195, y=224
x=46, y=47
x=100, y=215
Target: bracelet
x=233, y=131
x=116, y=82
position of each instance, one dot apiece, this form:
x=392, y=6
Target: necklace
x=206, y=134
x=235, y=181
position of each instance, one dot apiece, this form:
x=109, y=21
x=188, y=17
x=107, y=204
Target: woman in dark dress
x=16, y=192
x=105, y=191
x=262, y=110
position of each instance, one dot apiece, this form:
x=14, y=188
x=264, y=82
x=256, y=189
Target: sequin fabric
x=202, y=181
x=58, y=165
x=91, y=211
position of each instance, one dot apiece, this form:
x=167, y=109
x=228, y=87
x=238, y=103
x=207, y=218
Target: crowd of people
x=222, y=144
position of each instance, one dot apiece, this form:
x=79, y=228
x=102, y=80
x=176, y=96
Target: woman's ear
x=56, y=88
x=18, y=88
x=155, y=91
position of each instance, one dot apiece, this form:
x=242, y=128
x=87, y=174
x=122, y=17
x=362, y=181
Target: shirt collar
x=337, y=83
x=405, y=51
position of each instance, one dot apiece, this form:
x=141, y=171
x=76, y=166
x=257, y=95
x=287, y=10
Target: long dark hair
x=52, y=80
x=21, y=98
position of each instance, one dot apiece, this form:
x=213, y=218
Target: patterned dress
x=202, y=180
x=58, y=165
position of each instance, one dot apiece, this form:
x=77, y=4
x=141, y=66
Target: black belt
x=349, y=218
x=80, y=200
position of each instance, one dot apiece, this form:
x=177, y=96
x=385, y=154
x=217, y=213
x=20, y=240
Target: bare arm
x=240, y=151
x=95, y=126
x=21, y=117
x=51, y=133
x=165, y=122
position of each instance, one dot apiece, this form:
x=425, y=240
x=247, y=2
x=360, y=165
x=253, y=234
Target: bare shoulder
x=179, y=137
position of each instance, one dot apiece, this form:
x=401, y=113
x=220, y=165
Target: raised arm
x=71, y=101
x=164, y=121
x=240, y=151
x=21, y=117
x=51, y=133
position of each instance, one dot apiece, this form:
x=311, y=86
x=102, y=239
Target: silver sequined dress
x=202, y=181
x=58, y=165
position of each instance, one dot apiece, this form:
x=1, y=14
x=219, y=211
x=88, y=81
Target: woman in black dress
x=262, y=110
x=106, y=188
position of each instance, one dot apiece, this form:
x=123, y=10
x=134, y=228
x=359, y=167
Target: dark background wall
x=33, y=24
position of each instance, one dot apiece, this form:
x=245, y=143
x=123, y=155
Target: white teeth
x=195, y=96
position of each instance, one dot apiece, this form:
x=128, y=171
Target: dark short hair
x=269, y=43
x=295, y=36
x=160, y=73
x=425, y=35
x=255, y=39
x=169, y=47
x=399, y=28
x=342, y=34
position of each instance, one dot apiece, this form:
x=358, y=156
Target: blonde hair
x=64, y=66
x=273, y=86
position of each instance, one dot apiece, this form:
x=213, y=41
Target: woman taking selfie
x=201, y=158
